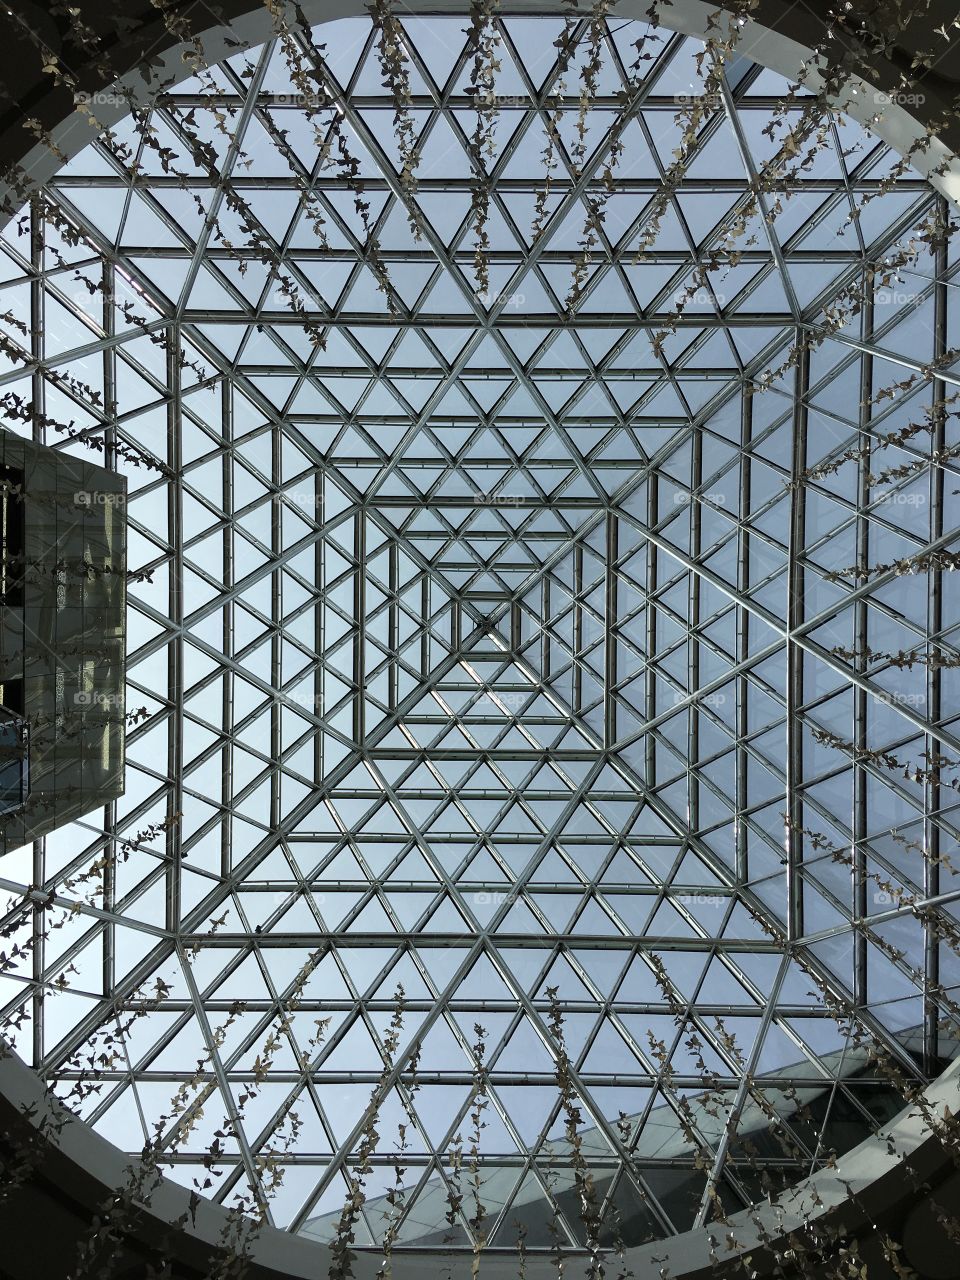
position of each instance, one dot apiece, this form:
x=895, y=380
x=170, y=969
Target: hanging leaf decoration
x=394, y=64
x=483, y=39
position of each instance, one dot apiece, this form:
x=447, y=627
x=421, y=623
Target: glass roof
x=483, y=646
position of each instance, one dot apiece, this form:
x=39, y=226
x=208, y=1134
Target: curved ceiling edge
x=773, y=43
x=873, y=1180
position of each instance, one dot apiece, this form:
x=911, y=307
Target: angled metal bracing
x=485, y=646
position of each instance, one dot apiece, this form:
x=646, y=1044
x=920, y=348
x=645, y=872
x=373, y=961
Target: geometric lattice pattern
x=486, y=645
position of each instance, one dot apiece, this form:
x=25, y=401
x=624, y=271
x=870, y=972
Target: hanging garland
x=342, y=1256
x=396, y=1195
x=309, y=72
x=593, y=223
x=394, y=66
x=483, y=39
x=588, y=1203
x=566, y=46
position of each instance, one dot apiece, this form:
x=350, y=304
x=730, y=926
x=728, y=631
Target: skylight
x=484, y=646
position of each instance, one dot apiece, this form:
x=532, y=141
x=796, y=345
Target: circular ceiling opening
x=497, y=602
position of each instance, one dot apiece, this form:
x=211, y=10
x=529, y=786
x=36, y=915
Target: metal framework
x=486, y=645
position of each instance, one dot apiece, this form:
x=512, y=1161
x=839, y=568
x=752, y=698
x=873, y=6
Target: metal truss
x=485, y=646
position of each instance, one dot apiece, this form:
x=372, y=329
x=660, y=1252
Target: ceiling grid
x=486, y=645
